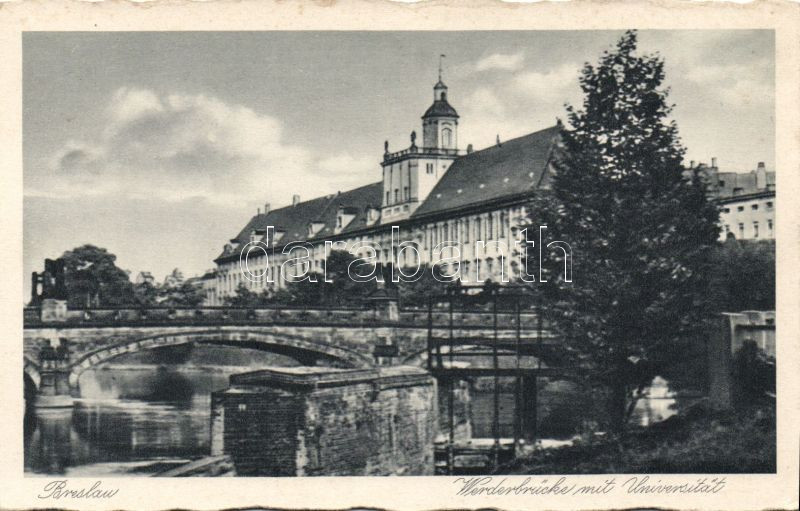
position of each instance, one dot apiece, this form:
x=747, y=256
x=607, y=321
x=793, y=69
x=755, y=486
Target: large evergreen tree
x=640, y=227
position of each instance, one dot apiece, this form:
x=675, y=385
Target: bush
x=697, y=441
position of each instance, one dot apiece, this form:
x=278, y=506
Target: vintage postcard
x=519, y=256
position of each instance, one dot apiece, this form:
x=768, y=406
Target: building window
x=727, y=228
x=755, y=229
x=726, y=210
x=429, y=168
x=769, y=228
x=447, y=138
x=397, y=195
x=490, y=226
x=755, y=206
x=466, y=230
x=741, y=230
x=478, y=229
x=405, y=193
x=740, y=208
x=387, y=197
x=769, y=205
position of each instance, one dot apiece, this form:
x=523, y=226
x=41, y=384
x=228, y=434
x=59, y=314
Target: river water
x=141, y=420
x=161, y=419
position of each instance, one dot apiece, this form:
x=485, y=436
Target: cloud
x=501, y=61
x=348, y=169
x=736, y=85
x=173, y=146
x=520, y=103
x=558, y=84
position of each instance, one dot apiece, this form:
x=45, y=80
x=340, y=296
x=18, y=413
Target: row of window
x=754, y=207
x=495, y=226
x=755, y=232
x=406, y=195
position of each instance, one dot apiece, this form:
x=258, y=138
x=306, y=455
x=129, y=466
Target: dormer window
x=256, y=234
x=314, y=227
x=344, y=215
x=373, y=214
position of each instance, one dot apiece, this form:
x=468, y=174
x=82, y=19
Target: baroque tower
x=409, y=175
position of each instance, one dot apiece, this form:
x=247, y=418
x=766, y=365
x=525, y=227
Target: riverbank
x=699, y=440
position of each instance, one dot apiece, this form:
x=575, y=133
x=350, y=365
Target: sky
x=159, y=146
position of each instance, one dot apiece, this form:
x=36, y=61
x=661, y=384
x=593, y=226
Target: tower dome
x=440, y=106
x=440, y=121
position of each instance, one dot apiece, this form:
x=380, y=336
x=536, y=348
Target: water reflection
x=140, y=420
x=161, y=419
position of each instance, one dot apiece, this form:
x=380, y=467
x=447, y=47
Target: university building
x=431, y=190
x=434, y=192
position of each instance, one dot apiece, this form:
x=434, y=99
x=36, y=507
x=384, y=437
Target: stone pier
x=307, y=421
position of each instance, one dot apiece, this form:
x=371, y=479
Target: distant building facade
x=747, y=201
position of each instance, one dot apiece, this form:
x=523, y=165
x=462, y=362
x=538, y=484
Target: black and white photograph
x=415, y=253
x=399, y=253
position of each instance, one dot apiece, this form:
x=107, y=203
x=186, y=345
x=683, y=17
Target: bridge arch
x=293, y=346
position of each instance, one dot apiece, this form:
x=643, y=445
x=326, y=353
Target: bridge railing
x=270, y=315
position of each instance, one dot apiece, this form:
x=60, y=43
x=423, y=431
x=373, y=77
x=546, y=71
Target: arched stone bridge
x=58, y=349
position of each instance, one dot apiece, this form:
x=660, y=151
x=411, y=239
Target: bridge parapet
x=266, y=316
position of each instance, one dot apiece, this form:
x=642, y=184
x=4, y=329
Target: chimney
x=266, y=208
x=259, y=211
x=691, y=164
x=469, y=148
x=295, y=200
x=498, y=139
x=714, y=162
x=761, y=176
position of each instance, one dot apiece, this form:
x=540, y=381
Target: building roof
x=511, y=168
x=732, y=184
x=294, y=220
x=440, y=108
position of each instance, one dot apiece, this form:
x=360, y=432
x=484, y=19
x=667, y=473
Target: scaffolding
x=450, y=346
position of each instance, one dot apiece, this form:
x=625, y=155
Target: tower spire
x=440, y=65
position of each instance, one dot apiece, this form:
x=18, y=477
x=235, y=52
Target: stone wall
x=322, y=421
x=729, y=333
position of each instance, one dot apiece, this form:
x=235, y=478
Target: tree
x=243, y=298
x=145, y=294
x=94, y=280
x=343, y=287
x=743, y=276
x=640, y=228
x=182, y=294
x=418, y=292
